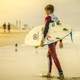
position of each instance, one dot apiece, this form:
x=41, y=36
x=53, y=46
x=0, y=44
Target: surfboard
x=55, y=33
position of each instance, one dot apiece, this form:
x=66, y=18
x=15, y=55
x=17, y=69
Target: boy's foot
x=61, y=75
x=47, y=76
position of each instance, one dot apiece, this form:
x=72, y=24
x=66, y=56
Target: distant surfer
x=9, y=27
x=16, y=47
x=49, y=9
x=4, y=27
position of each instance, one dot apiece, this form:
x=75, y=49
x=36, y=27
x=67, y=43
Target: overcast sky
x=31, y=11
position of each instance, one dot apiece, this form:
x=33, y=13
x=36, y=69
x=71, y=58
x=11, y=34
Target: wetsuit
x=52, y=55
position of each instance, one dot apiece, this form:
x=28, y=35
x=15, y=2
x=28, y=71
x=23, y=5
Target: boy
x=49, y=9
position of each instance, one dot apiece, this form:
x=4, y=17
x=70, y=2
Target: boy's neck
x=50, y=14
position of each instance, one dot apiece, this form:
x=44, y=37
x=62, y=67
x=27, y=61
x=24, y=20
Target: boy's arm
x=46, y=29
x=48, y=20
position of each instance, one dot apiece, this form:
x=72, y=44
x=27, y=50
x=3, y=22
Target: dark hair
x=50, y=8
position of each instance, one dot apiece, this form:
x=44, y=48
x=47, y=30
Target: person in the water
x=52, y=55
x=4, y=27
x=9, y=27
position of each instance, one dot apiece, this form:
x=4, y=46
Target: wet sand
x=29, y=63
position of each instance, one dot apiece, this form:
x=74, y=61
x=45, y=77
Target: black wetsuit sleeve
x=46, y=28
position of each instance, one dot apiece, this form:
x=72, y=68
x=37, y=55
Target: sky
x=31, y=12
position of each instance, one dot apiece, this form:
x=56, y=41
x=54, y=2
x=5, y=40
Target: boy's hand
x=61, y=44
x=41, y=45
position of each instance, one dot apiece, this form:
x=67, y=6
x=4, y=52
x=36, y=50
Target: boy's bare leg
x=61, y=44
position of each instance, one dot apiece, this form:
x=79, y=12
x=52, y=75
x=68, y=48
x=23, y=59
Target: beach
x=22, y=62
x=28, y=63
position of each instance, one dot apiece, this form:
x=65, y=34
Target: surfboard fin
x=71, y=35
